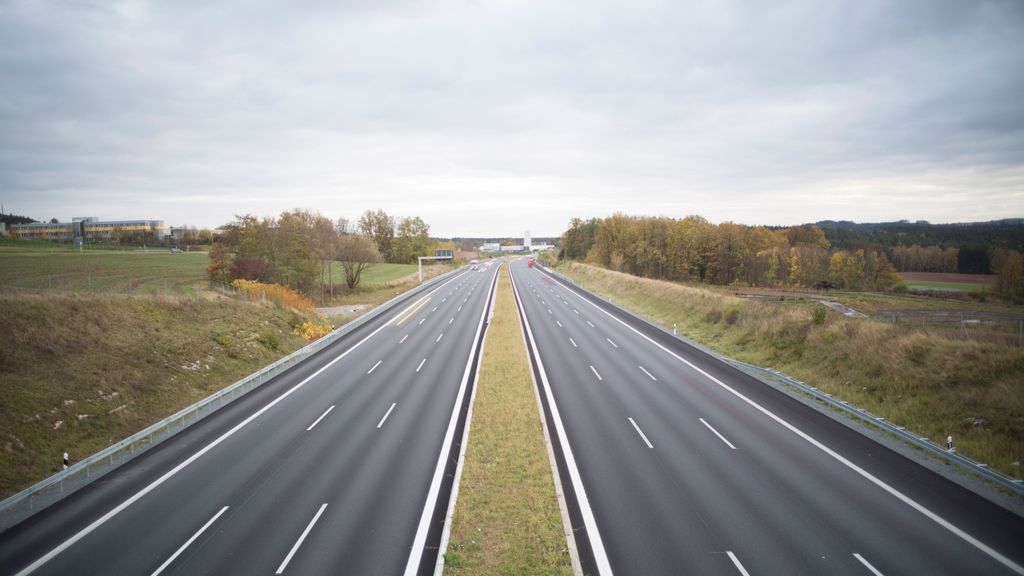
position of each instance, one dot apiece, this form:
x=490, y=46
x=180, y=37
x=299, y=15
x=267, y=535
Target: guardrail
x=774, y=377
x=51, y=490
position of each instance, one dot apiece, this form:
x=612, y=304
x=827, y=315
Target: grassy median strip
x=507, y=519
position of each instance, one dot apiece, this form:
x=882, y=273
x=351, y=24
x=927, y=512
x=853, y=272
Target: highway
x=675, y=463
x=342, y=465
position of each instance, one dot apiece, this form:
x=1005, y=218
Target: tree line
x=299, y=248
x=694, y=249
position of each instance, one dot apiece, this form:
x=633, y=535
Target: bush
x=312, y=331
x=276, y=293
x=732, y=313
x=819, y=315
x=269, y=340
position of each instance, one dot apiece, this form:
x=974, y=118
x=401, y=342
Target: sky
x=490, y=118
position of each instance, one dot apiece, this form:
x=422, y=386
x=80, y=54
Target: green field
x=936, y=285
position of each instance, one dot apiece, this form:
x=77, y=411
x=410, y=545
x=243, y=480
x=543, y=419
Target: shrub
x=269, y=340
x=819, y=315
x=252, y=269
x=732, y=313
x=281, y=295
x=312, y=331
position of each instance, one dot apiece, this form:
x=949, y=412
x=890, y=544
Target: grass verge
x=934, y=384
x=507, y=519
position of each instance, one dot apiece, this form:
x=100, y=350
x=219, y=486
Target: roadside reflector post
x=65, y=460
x=949, y=443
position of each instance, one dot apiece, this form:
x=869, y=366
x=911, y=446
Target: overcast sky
x=490, y=118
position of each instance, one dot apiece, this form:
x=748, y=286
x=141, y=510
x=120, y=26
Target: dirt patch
x=348, y=311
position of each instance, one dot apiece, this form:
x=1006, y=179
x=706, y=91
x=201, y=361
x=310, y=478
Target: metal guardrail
x=769, y=376
x=44, y=493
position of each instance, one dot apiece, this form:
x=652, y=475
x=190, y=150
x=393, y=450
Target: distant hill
x=1006, y=233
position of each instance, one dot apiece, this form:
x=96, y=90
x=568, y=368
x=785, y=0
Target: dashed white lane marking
x=649, y=375
x=549, y=311
x=576, y=311
x=422, y=320
x=193, y=539
x=295, y=548
x=867, y=564
x=435, y=309
x=594, y=370
x=403, y=338
x=612, y=343
x=573, y=343
x=450, y=321
x=322, y=416
x=381, y=423
x=641, y=433
x=370, y=371
x=439, y=337
x=736, y=562
x=590, y=323
x=421, y=364
x=559, y=323
x=460, y=309
x=717, y=433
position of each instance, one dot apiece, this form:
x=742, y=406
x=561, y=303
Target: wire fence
x=51, y=490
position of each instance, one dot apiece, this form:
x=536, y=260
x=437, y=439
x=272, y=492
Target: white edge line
x=422, y=362
x=867, y=564
x=604, y=567
x=153, y=485
x=317, y=421
x=649, y=375
x=370, y=371
x=720, y=437
x=594, y=370
x=420, y=540
x=193, y=539
x=991, y=552
x=388, y=413
x=736, y=562
x=295, y=548
x=641, y=433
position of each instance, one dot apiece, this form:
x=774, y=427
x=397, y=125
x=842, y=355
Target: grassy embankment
x=935, y=384
x=86, y=360
x=78, y=373
x=507, y=519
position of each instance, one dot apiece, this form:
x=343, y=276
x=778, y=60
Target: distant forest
x=1007, y=233
x=11, y=219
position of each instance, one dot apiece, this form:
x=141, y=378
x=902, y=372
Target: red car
x=529, y=262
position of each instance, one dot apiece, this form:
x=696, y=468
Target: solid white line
x=992, y=553
x=594, y=370
x=559, y=323
x=604, y=567
x=641, y=433
x=867, y=564
x=381, y=423
x=317, y=421
x=421, y=364
x=736, y=561
x=651, y=376
x=403, y=338
x=420, y=540
x=439, y=338
x=612, y=343
x=591, y=324
x=193, y=539
x=573, y=343
x=374, y=367
x=295, y=548
x=720, y=437
x=153, y=485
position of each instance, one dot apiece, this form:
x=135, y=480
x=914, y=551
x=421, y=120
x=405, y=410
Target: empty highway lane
x=339, y=466
x=675, y=463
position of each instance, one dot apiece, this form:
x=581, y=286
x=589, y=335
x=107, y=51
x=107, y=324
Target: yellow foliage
x=312, y=331
x=282, y=295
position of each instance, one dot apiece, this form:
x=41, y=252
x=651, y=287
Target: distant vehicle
x=472, y=264
x=175, y=250
x=529, y=262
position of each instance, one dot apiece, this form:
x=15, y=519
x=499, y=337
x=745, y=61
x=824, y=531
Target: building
x=87, y=229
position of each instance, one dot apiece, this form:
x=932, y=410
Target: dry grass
x=78, y=373
x=507, y=519
x=935, y=384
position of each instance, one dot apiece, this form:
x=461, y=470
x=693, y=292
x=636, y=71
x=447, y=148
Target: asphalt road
x=341, y=465
x=675, y=463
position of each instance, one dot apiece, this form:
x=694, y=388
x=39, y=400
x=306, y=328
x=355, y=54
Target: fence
x=774, y=378
x=51, y=490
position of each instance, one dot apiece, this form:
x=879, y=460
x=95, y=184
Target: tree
x=412, y=240
x=220, y=258
x=356, y=253
x=380, y=227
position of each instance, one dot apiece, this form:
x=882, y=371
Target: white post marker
x=949, y=443
x=65, y=460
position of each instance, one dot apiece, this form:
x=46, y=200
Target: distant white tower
x=526, y=240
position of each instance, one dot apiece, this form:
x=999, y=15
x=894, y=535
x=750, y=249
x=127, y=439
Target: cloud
x=488, y=118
